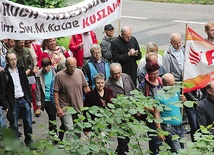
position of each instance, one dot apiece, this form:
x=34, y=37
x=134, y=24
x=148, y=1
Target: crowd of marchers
x=42, y=75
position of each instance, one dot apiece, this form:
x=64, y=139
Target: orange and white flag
x=199, y=61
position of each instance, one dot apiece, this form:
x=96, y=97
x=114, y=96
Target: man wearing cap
x=106, y=42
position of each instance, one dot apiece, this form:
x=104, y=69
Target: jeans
x=2, y=119
x=174, y=130
x=22, y=108
x=154, y=142
x=51, y=111
x=191, y=114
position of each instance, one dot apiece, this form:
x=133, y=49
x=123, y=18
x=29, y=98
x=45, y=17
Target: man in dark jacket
x=14, y=95
x=125, y=50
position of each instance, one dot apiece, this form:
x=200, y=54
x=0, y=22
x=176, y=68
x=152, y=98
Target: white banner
x=199, y=61
x=25, y=23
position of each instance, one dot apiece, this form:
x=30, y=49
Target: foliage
x=47, y=3
x=63, y=41
x=207, y=2
x=120, y=119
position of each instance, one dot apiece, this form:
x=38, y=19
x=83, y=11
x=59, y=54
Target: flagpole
x=119, y=21
x=182, y=92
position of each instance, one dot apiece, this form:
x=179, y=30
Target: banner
x=199, y=61
x=28, y=23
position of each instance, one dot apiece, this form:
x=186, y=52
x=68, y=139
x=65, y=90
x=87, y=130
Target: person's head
x=126, y=33
x=209, y=29
x=151, y=47
x=99, y=81
x=152, y=70
x=28, y=43
x=95, y=51
x=60, y=66
x=109, y=30
x=168, y=79
x=116, y=71
x=46, y=64
x=51, y=43
x=152, y=57
x=71, y=64
x=10, y=43
x=11, y=60
x=210, y=89
x=44, y=44
x=175, y=40
x=19, y=44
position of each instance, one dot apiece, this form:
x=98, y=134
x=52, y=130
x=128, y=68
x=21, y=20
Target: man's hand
x=183, y=98
x=60, y=112
x=80, y=45
x=132, y=52
x=161, y=137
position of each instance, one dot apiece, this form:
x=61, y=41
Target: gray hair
x=124, y=29
x=99, y=76
x=60, y=66
x=114, y=65
x=94, y=46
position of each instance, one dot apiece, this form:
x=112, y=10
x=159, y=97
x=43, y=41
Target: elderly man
x=69, y=85
x=205, y=108
x=96, y=64
x=171, y=115
x=173, y=58
x=209, y=30
x=125, y=50
x=120, y=83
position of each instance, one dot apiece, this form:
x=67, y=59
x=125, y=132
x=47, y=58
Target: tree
x=47, y=3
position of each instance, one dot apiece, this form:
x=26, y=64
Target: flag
x=22, y=22
x=199, y=61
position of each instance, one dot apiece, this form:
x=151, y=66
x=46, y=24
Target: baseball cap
x=108, y=27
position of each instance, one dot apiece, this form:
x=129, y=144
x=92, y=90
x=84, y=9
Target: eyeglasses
x=29, y=42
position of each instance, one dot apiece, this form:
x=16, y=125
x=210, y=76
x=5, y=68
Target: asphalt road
x=155, y=22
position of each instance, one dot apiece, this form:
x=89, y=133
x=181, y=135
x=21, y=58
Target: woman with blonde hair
x=150, y=47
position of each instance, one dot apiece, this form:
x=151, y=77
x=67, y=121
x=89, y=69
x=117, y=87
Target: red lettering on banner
x=210, y=56
x=101, y=14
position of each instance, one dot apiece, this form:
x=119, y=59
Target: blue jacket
x=91, y=71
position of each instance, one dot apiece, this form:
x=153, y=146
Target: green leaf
x=87, y=125
x=189, y=104
x=94, y=147
x=133, y=111
x=118, y=120
x=71, y=110
x=111, y=106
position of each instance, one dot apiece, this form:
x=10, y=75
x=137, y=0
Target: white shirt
x=87, y=44
x=17, y=84
x=120, y=82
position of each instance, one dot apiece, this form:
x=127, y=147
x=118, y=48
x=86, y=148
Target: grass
x=207, y=2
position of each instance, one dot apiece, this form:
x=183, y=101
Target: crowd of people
x=37, y=75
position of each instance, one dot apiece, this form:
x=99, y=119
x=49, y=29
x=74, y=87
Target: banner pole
x=119, y=22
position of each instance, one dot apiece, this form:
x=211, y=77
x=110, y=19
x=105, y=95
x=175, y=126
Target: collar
x=12, y=71
x=147, y=79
